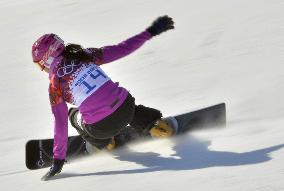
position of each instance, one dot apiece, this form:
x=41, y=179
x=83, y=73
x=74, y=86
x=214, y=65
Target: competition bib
x=86, y=80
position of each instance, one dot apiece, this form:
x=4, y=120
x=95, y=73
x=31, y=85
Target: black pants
x=139, y=117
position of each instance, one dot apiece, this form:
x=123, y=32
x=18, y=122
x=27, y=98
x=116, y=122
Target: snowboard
x=39, y=153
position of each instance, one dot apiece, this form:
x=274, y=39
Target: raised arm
x=108, y=54
x=115, y=52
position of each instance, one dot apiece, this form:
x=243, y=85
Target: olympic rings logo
x=66, y=69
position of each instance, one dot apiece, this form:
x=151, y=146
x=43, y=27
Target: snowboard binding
x=163, y=128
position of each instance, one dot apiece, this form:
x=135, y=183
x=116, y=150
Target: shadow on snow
x=190, y=154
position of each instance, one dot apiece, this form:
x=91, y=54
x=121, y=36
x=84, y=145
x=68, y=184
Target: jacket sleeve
x=111, y=53
x=60, y=111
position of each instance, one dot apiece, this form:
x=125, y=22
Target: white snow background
x=228, y=51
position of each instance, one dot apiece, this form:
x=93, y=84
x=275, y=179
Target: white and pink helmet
x=46, y=49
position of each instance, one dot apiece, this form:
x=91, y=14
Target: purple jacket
x=89, y=88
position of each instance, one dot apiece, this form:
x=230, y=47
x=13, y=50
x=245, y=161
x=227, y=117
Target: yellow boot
x=161, y=129
x=111, y=145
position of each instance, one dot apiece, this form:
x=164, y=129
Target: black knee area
x=144, y=117
x=98, y=143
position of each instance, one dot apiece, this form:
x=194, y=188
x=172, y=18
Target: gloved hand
x=55, y=169
x=161, y=24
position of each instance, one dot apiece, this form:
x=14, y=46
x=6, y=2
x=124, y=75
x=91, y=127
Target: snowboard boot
x=111, y=145
x=162, y=129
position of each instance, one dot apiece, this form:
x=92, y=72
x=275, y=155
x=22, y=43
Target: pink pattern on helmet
x=46, y=49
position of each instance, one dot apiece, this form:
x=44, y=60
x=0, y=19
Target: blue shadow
x=190, y=154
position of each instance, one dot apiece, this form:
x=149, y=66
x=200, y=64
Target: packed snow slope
x=228, y=51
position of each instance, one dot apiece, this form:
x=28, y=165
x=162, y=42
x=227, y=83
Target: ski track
x=221, y=51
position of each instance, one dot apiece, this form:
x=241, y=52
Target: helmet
x=46, y=49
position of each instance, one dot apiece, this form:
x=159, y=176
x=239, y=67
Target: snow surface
x=228, y=51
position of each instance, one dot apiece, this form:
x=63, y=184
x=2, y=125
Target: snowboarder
x=76, y=78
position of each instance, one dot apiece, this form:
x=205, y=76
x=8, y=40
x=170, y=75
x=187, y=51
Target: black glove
x=160, y=25
x=56, y=168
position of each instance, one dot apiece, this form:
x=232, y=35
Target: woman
x=76, y=78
